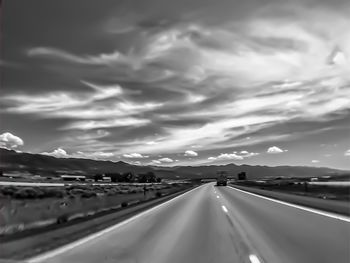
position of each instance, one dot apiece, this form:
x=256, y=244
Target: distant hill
x=41, y=164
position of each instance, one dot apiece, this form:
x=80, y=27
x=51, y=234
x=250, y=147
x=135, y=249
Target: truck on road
x=221, y=179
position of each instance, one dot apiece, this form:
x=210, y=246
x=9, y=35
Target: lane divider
x=246, y=250
x=224, y=208
x=312, y=210
x=254, y=259
x=63, y=249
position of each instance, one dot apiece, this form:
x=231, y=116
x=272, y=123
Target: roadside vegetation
x=324, y=190
x=29, y=207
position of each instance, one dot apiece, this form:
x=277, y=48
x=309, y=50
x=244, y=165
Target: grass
x=25, y=205
x=330, y=192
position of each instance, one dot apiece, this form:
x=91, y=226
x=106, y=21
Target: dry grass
x=24, y=205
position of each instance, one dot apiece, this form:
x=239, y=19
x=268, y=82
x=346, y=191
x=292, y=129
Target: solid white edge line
x=69, y=246
x=254, y=259
x=224, y=208
x=312, y=210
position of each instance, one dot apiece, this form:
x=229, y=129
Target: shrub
x=88, y=194
x=158, y=194
x=26, y=193
x=62, y=219
x=53, y=192
x=39, y=193
x=76, y=191
x=8, y=190
x=111, y=193
x=124, y=204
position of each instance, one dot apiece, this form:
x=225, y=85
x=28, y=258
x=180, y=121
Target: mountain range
x=11, y=160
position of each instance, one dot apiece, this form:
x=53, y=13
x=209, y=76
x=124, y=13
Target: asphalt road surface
x=216, y=224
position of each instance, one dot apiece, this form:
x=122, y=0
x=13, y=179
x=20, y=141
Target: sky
x=169, y=83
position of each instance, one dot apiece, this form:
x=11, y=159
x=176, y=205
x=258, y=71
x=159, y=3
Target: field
x=30, y=207
x=323, y=190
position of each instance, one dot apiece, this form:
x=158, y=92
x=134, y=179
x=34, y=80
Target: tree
x=114, y=177
x=151, y=177
x=129, y=177
x=159, y=179
x=242, y=176
x=142, y=178
x=148, y=177
x=98, y=177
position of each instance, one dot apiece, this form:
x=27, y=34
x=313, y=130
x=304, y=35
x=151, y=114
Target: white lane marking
x=79, y=242
x=312, y=210
x=224, y=208
x=254, y=259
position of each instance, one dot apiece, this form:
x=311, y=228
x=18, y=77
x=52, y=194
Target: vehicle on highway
x=221, y=179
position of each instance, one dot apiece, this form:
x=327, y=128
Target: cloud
x=149, y=99
x=162, y=161
x=8, y=140
x=135, y=156
x=315, y=161
x=87, y=111
x=155, y=162
x=347, y=153
x=96, y=124
x=61, y=153
x=166, y=160
x=274, y=150
x=58, y=153
x=229, y=156
x=93, y=155
x=246, y=154
x=233, y=156
x=136, y=163
x=191, y=153
x=101, y=59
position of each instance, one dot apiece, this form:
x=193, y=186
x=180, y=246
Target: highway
x=218, y=225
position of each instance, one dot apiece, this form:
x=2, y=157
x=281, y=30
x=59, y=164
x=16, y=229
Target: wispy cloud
x=101, y=59
x=104, y=107
x=161, y=84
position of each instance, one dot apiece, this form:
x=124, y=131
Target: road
x=216, y=224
